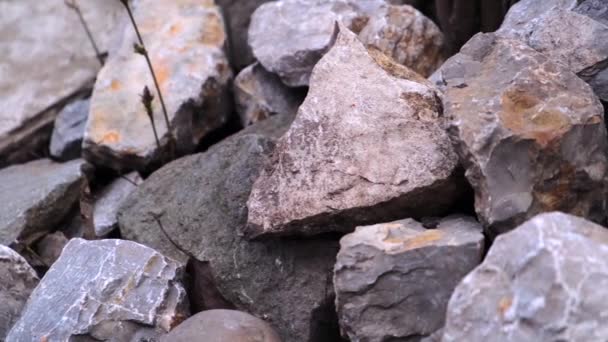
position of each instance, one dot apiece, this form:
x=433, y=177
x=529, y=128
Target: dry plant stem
x=162, y=229
x=76, y=9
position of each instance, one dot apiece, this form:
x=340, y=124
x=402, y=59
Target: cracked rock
x=366, y=146
x=393, y=280
x=519, y=121
x=98, y=288
x=543, y=281
x=66, y=141
x=105, y=211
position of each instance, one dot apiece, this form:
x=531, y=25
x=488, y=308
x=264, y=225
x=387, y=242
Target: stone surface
x=260, y=94
x=393, y=280
x=187, y=53
x=544, y=281
x=35, y=79
x=17, y=280
x=36, y=196
x=406, y=35
x=200, y=201
x=49, y=248
x=222, y=326
x=105, y=210
x=367, y=145
x=95, y=287
x=68, y=130
x=524, y=154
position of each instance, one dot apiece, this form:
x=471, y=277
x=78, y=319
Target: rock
x=187, y=52
x=543, y=281
x=407, y=36
x=205, y=221
x=17, y=280
x=393, y=280
x=549, y=31
x=46, y=60
x=523, y=155
x=36, y=197
x=108, y=202
x=49, y=248
x=367, y=145
x=272, y=128
x=260, y=94
x=97, y=286
x=67, y=135
x=222, y=326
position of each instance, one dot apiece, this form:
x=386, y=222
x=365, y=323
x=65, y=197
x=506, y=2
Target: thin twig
x=72, y=4
x=146, y=99
x=162, y=229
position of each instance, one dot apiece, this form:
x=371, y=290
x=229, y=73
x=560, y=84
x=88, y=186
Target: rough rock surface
x=201, y=202
x=260, y=94
x=105, y=210
x=544, y=281
x=393, y=280
x=49, y=248
x=187, y=53
x=222, y=326
x=36, y=196
x=523, y=152
x=68, y=130
x=17, y=280
x=96, y=286
x=377, y=151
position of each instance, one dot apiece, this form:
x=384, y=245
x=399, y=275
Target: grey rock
x=367, y=146
x=17, y=281
x=36, y=196
x=272, y=128
x=543, y=281
x=68, y=131
x=49, y=248
x=393, y=280
x=105, y=210
x=222, y=326
x=523, y=153
x=200, y=201
x=260, y=94
x=47, y=59
x=97, y=286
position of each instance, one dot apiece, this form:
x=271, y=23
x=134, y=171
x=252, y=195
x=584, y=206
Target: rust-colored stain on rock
x=115, y=85
x=423, y=239
x=213, y=30
x=504, y=305
x=110, y=137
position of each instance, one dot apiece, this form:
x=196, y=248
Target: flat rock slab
x=543, y=281
x=187, y=53
x=36, y=196
x=530, y=133
x=96, y=286
x=105, y=209
x=394, y=280
x=17, y=281
x=68, y=131
x=366, y=146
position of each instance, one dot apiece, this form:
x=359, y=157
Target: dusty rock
x=68, y=130
x=200, y=201
x=187, y=52
x=260, y=94
x=97, y=286
x=367, y=145
x=523, y=154
x=17, y=280
x=544, y=281
x=105, y=210
x=393, y=280
x=46, y=59
x=36, y=196
x=49, y=248
x=222, y=326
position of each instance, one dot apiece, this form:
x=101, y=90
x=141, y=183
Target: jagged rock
x=543, y=281
x=547, y=26
x=36, y=196
x=49, y=248
x=200, y=201
x=393, y=280
x=17, y=280
x=260, y=94
x=523, y=152
x=46, y=59
x=68, y=130
x=105, y=211
x=367, y=145
x=187, y=51
x=222, y=326
x=272, y=128
x=406, y=35
x=96, y=287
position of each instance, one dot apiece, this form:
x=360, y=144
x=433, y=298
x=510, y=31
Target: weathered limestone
x=105, y=210
x=49, y=248
x=68, y=131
